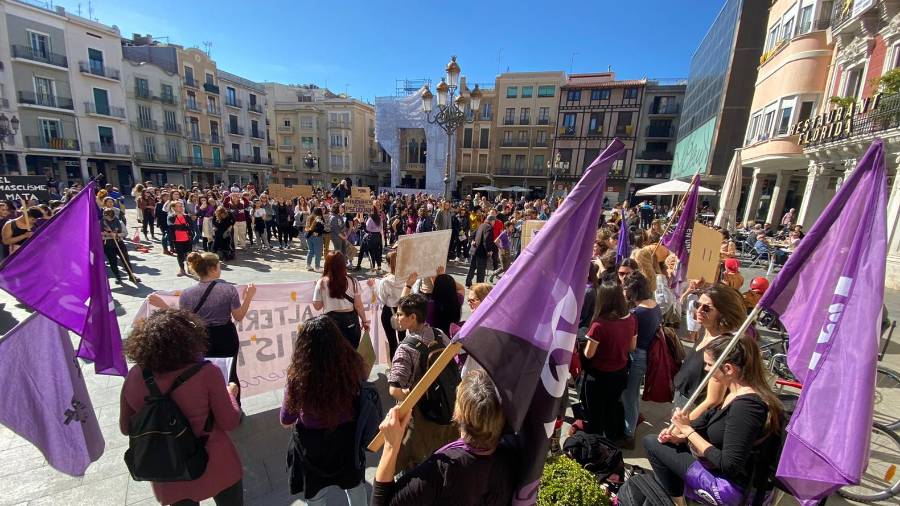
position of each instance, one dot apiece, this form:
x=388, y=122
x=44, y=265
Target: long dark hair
x=325, y=372
x=610, y=302
x=336, y=271
x=447, y=307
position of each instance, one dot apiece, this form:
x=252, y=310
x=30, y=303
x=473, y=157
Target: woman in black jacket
x=731, y=439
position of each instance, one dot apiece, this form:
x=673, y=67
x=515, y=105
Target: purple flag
x=829, y=297
x=61, y=274
x=623, y=248
x=45, y=400
x=524, y=333
x=678, y=241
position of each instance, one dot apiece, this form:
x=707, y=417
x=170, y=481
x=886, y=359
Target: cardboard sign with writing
x=422, y=253
x=16, y=188
x=704, y=250
x=279, y=191
x=530, y=230
x=361, y=192
x=355, y=205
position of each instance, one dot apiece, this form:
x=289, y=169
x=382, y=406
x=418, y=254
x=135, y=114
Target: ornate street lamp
x=450, y=114
x=309, y=160
x=7, y=128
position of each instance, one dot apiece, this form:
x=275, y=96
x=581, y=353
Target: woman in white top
x=388, y=291
x=338, y=296
x=301, y=212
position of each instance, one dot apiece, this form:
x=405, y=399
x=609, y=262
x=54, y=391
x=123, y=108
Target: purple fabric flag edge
x=678, y=241
x=623, y=247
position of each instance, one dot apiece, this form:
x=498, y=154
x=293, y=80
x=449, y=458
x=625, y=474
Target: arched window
x=423, y=152
x=413, y=151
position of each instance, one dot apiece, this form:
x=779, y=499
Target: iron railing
x=46, y=100
x=172, y=128
x=42, y=56
x=61, y=143
x=190, y=82
x=146, y=124
x=660, y=131
x=214, y=110
x=100, y=70
x=234, y=102
x=110, y=148
x=211, y=88
x=665, y=109
x=285, y=129
x=655, y=155
x=235, y=130
x=104, y=110
x=255, y=108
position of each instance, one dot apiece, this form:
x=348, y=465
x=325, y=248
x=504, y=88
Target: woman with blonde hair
x=648, y=267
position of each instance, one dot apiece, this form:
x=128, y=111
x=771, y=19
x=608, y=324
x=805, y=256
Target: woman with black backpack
x=332, y=412
x=339, y=296
x=167, y=349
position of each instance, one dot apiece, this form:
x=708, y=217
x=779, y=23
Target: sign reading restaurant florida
x=16, y=188
x=832, y=125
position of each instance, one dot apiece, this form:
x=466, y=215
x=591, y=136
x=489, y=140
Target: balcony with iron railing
x=99, y=70
x=104, y=110
x=662, y=132
x=142, y=93
x=4, y=103
x=541, y=144
x=509, y=121
x=665, y=109
x=45, y=100
x=595, y=132
x=233, y=102
x=191, y=105
x=56, y=143
x=190, y=82
x=196, y=137
x=145, y=124
x=167, y=98
x=211, y=88
x=213, y=110
x=99, y=148
x=235, y=130
x=655, y=155
x=204, y=162
x=285, y=129
x=257, y=134
x=286, y=148
x=537, y=172
x=338, y=124
x=624, y=130
x=165, y=158
x=525, y=121
x=845, y=11
x=172, y=128
x=40, y=56
x=255, y=108
x=543, y=121
x=215, y=138
x=514, y=143
x=567, y=131
x=256, y=160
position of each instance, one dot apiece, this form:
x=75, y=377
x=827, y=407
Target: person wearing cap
x=732, y=277
x=758, y=287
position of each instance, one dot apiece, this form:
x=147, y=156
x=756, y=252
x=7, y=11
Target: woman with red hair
x=338, y=295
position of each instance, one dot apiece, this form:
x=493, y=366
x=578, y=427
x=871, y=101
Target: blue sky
x=363, y=47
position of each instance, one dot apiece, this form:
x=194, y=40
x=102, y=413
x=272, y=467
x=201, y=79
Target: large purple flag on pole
x=44, y=397
x=829, y=297
x=524, y=333
x=61, y=274
x=623, y=248
x=678, y=241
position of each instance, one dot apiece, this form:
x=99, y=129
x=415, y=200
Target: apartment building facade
x=321, y=137
x=69, y=94
x=202, y=116
x=243, y=113
x=474, y=154
x=155, y=110
x=655, y=147
x=594, y=109
x=524, y=127
x=790, y=88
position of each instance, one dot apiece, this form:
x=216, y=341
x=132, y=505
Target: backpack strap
x=150, y=381
x=186, y=375
x=205, y=295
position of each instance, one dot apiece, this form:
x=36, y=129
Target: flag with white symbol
x=524, y=333
x=60, y=272
x=829, y=297
x=45, y=399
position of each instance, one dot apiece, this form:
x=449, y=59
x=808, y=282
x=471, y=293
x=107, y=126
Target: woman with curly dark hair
x=166, y=347
x=324, y=402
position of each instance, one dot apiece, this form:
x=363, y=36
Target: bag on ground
x=596, y=454
x=643, y=490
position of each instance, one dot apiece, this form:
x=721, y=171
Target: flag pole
x=420, y=388
x=677, y=210
x=126, y=262
x=731, y=344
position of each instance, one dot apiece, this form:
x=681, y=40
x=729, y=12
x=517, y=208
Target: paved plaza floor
x=25, y=477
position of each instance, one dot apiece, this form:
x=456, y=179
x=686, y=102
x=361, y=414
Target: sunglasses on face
x=705, y=308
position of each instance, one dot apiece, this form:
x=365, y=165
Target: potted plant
x=565, y=483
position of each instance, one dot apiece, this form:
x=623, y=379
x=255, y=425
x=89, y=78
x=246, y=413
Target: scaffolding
x=406, y=87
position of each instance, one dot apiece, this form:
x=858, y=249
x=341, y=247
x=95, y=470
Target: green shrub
x=565, y=483
x=844, y=102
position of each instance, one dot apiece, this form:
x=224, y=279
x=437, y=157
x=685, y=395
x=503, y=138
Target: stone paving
x=25, y=477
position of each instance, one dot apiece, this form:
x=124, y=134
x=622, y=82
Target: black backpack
x=161, y=445
x=596, y=454
x=643, y=490
x=438, y=402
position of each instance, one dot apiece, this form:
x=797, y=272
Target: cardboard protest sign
x=704, y=247
x=530, y=229
x=422, y=253
x=355, y=205
x=16, y=188
x=361, y=192
x=279, y=191
x=268, y=331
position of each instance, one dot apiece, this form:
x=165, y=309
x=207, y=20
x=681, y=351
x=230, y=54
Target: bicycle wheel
x=881, y=480
x=887, y=398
